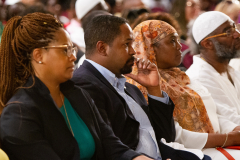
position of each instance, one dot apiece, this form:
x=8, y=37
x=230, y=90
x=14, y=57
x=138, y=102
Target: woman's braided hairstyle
x=20, y=37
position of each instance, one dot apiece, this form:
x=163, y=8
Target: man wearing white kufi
x=83, y=8
x=219, y=42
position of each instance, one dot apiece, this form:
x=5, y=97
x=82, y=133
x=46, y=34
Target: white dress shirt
x=147, y=140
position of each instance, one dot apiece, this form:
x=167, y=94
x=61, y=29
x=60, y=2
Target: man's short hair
x=102, y=28
x=92, y=15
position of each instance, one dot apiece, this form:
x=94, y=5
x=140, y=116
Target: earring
x=40, y=62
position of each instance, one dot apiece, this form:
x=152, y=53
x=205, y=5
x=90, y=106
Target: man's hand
x=142, y=158
x=233, y=138
x=148, y=76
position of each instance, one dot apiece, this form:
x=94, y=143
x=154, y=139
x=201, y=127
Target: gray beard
x=224, y=53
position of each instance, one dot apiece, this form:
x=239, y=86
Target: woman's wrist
x=155, y=91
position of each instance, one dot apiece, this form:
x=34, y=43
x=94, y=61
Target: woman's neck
x=54, y=89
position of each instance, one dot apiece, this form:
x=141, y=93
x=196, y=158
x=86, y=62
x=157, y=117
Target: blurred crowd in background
x=75, y=14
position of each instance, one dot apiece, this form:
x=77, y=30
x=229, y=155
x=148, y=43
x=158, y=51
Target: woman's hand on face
x=142, y=158
x=148, y=76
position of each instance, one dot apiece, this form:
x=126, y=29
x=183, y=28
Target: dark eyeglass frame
x=71, y=50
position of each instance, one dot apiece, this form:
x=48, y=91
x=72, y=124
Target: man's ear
x=37, y=55
x=102, y=48
x=208, y=44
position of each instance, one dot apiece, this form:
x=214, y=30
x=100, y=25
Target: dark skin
x=118, y=56
x=163, y=52
x=208, y=53
x=167, y=56
x=56, y=63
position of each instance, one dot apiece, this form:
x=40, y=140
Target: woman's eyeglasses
x=70, y=50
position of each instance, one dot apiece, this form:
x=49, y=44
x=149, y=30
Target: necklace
x=66, y=115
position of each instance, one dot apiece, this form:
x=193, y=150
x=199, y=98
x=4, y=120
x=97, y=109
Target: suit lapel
x=81, y=106
x=96, y=73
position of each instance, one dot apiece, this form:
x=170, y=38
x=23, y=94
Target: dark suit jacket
x=116, y=112
x=32, y=127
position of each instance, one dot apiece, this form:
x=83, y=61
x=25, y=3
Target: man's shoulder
x=84, y=72
x=200, y=71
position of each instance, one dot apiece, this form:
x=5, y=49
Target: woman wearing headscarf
x=195, y=110
x=43, y=114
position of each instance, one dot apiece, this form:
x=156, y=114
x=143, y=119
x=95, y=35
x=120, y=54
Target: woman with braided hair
x=43, y=114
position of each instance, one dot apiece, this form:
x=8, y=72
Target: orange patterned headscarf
x=189, y=111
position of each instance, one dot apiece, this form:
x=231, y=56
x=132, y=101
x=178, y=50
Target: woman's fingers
x=151, y=66
x=139, y=62
x=144, y=64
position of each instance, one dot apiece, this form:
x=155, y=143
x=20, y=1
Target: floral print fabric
x=189, y=111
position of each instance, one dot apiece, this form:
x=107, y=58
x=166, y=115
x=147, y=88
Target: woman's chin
x=66, y=78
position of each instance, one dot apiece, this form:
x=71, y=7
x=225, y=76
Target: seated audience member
x=45, y=115
x=57, y=8
x=133, y=4
x=166, y=17
x=164, y=49
x=184, y=11
x=115, y=6
x=140, y=126
x=132, y=14
x=38, y=7
x=14, y=10
x=230, y=8
x=219, y=42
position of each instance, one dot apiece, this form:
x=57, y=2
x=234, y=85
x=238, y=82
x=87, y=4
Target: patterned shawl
x=189, y=111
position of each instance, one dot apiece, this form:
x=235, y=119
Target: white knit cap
x=206, y=23
x=82, y=7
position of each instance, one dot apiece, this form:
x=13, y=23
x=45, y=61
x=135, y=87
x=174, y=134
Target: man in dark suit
x=138, y=124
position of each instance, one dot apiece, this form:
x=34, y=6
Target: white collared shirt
x=147, y=140
x=225, y=95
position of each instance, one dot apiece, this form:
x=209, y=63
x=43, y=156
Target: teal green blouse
x=1, y=30
x=81, y=132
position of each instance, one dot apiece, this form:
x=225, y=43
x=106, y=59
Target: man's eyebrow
x=225, y=29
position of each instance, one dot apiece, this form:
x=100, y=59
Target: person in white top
x=158, y=42
x=219, y=42
x=235, y=63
